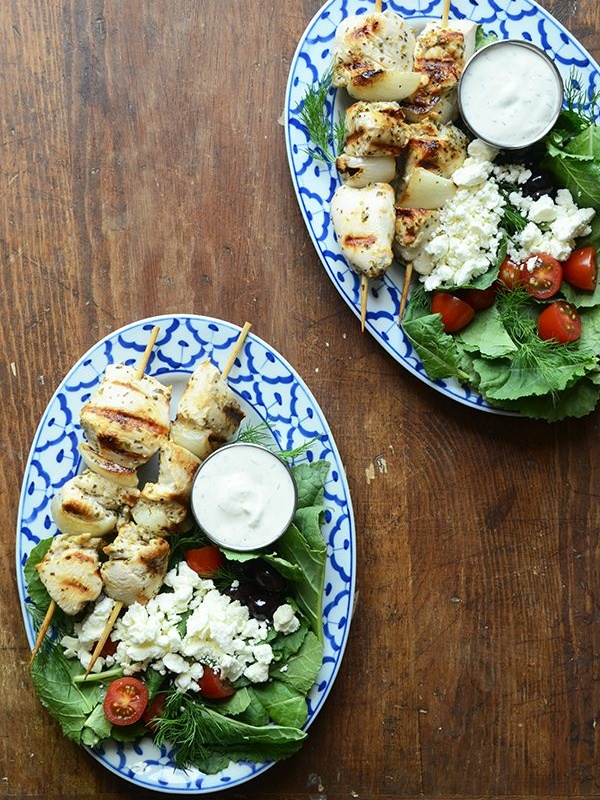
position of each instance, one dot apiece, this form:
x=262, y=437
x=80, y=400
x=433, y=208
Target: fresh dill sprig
x=513, y=221
x=261, y=434
x=579, y=102
x=315, y=113
x=542, y=356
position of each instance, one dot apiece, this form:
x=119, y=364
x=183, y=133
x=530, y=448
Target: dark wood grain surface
x=143, y=171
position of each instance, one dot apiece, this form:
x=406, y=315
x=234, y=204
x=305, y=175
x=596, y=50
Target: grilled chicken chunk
x=370, y=48
x=163, y=506
x=89, y=503
x=136, y=566
x=70, y=571
x=414, y=228
x=208, y=413
x=127, y=419
x=440, y=149
x=440, y=55
x=432, y=155
x=375, y=129
x=363, y=221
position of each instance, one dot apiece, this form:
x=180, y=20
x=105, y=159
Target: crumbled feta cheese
x=465, y=241
x=284, y=619
x=179, y=630
x=553, y=225
x=87, y=633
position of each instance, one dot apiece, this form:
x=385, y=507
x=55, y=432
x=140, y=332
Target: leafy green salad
x=217, y=721
x=527, y=343
x=500, y=352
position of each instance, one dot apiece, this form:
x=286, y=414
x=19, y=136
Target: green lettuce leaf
x=576, y=166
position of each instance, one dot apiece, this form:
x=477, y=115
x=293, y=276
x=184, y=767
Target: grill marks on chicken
x=136, y=566
x=440, y=55
x=70, y=571
x=408, y=142
x=369, y=46
x=208, y=413
x=127, y=420
x=89, y=503
x=163, y=507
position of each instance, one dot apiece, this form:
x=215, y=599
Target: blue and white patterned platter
x=270, y=391
x=315, y=182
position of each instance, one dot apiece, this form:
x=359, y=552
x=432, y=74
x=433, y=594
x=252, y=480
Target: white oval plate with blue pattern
x=271, y=392
x=315, y=182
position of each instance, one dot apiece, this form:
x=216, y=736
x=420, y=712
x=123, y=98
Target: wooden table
x=143, y=171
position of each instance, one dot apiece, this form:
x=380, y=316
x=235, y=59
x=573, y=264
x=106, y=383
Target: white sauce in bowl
x=510, y=94
x=243, y=496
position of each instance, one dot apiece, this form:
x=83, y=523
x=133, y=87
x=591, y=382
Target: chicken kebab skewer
x=375, y=213
x=208, y=415
x=373, y=61
x=89, y=507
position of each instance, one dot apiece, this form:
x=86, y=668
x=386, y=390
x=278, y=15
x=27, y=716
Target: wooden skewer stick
x=52, y=607
x=378, y=4
x=364, y=288
x=236, y=349
x=445, y=13
x=405, y=288
x=119, y=603
x=43, y=629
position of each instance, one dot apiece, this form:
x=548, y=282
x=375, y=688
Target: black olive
x=539, y=184
x=269, y=578
x=263, y=606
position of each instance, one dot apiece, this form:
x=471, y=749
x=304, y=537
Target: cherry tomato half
x=479, y=299
x=205, y=560
x=510, y=274
x=125, y=701
x=212, y=686
x=153, y=710
x=455, y=313
x=581, y=269
x=542, y=276
x=560, y=321
x=109, y=648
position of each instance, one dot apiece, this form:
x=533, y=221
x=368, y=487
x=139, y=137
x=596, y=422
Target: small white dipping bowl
x=243, y=497
x=510, y=94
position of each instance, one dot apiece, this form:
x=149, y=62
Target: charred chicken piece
x=440, y=55
x=208, y=413
x=363, y=221
x=89, y=503
x=127, y=419
x=163, y=506
x=136, y=566
x=373, y=56
x=375, y=129
x=70, y=571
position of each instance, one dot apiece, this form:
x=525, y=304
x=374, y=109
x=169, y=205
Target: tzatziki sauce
x=243, y=497
x=510, y=94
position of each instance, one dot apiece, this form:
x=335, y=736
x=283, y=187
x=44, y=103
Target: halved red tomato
x=479, y=299
x=455, y=313
x=154, y=710
x=541, y=276
x=560, y=321
x=205, y=560
x=510, y=275
x=581, y=269
x=213, y=686
x=125, y=701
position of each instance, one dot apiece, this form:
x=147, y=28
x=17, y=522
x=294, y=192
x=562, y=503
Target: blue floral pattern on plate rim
x=269, y=387
x=315, y=182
